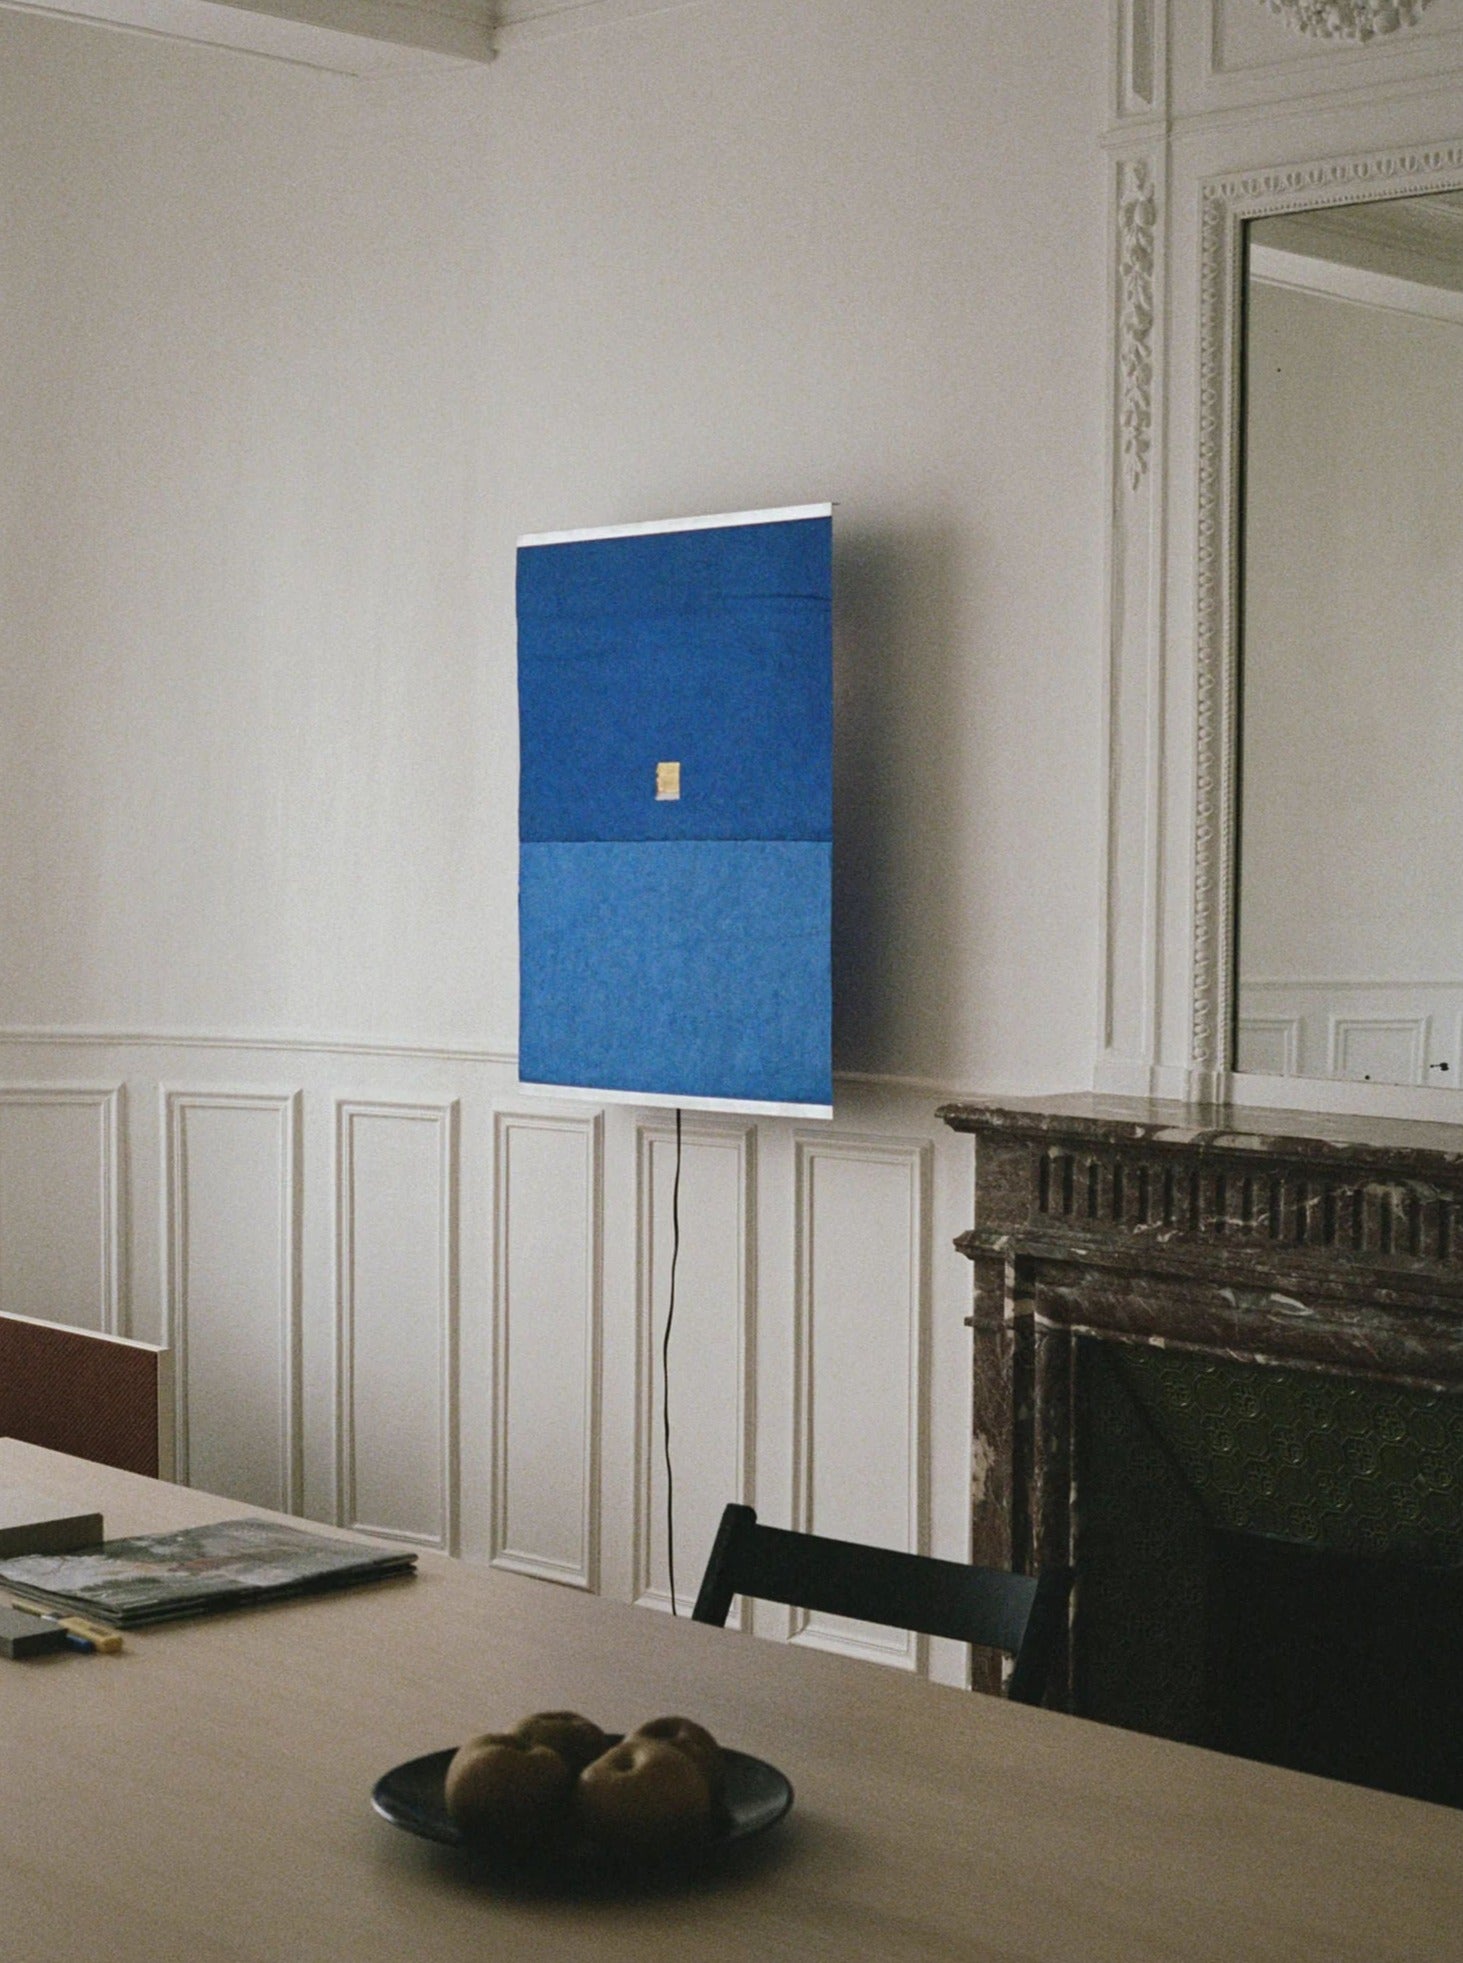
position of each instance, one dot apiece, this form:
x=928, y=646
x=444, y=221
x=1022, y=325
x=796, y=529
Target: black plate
x=410, y=1796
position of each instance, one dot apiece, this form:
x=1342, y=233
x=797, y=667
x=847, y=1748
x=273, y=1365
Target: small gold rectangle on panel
x=667, y=781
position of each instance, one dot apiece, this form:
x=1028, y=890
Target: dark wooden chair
x=1020, y=1614
x=98, y=1397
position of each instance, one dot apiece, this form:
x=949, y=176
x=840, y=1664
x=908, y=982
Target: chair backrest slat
x=877, y=1584
x=1020, y=1614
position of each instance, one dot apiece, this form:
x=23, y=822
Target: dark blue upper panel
x=711, y=648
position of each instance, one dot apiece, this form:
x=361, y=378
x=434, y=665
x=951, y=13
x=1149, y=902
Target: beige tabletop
x=206, y=1796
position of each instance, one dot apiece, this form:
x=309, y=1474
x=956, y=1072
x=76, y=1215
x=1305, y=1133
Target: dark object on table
x=755, y=1797
x=1021, y=1614
x=22, y=1636
x=230, y=1564
x=34, y=1523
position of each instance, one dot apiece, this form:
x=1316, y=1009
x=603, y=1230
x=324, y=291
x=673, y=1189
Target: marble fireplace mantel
x=1320, y=1244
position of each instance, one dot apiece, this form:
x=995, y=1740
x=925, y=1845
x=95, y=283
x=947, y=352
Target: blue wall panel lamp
x=676, y=812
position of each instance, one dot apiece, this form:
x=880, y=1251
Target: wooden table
x=205, y=1797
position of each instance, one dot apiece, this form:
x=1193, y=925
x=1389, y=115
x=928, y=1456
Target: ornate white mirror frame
x=1202, y=141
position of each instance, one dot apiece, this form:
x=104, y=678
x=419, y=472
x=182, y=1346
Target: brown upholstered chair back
x=97, y=1397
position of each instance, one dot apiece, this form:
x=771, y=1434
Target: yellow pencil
x=106, y=1642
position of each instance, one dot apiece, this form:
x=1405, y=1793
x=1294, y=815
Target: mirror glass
x=1349, y=908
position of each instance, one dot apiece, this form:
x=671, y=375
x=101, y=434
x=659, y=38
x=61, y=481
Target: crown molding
x=367, y=39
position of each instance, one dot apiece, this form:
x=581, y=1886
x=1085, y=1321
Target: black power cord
x=665, y=1373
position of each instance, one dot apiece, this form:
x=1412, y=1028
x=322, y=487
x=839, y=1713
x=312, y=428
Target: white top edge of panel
x=669, y=1100
x=726, y=518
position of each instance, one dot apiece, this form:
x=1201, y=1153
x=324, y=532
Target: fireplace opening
x=1270, y=1563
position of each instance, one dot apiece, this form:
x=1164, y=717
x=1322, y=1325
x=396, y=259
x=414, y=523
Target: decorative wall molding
x=739, y=1143
x=1142, y=53
x=286, y=1108
x=109, y=1104
x=1138, y=63
x=1355, y=984
x=1227, y=204
x=1348, y=20
x=1269, y=1045
x=1137, y=229
x=350, y=1117
x=913, y=1160
x=1246, y=75
x=1243, y=119
x=1221, y=246
x=1402, y=1036
x=579, y=1233
x=60, y=1037
x=1229, y=118
x=1133, y=817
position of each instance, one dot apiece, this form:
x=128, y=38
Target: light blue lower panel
x=686, y=968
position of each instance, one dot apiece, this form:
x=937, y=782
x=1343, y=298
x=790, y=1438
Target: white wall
x=290, y=363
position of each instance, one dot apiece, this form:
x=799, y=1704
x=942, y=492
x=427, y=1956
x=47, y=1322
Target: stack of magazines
x=196, y=1570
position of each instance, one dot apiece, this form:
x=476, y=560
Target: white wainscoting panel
x=547, y=1320
x=62, y=1252
x=859, y=1453
x=396, y=1306
x=1356, y=1028
x=406, y=1299
x=1268, y=1045
x=232, y=1253
x=1379, y=1049
x=712, y=1361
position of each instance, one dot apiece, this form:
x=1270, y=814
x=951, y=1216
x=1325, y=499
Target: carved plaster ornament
x=1348, y=20
x=1137, y=223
